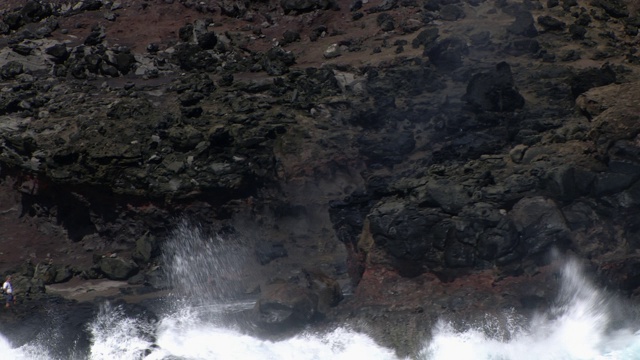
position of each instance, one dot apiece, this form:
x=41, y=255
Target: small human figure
x=8, y=292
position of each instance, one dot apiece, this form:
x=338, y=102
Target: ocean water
x=582, y=325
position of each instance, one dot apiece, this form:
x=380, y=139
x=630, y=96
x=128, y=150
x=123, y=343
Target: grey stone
x=117, y=268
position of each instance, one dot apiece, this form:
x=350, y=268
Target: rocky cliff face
x=429, y=154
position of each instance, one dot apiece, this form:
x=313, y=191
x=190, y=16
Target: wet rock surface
x=426, y=157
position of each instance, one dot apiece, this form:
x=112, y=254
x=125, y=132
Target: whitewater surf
x=583, y=324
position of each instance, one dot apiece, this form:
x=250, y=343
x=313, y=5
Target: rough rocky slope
x=428, y=155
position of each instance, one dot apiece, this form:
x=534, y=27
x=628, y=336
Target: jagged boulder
x=184, y=138
x=540, y=223
x=444, y=193
x=123, y=60
x=302, y=6
x=593, y=77
x=494, y=90
x=276, y=61
x=207, y=40
x=268, y=251
x=11, y=69
x=406, y=231
x=426, y=37
x=283, y=306
x=117, y=268
x=325, y=287
x=615, y=8
x=49, y=273
x=550, y=23
x=448, y=53
x=386, y=149
x=146, y=247
x=192, y=57
x=451, y=12
x=59, y=53
x=306, y=297
x=523, y=25
x=32, y=11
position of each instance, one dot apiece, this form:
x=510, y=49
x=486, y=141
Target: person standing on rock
x=8, y=291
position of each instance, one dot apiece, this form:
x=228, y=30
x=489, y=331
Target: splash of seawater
x=202, y=267
x=186, y=337
x=116, y=336
x=26, y=352
x=581, y=326
x=578, y=327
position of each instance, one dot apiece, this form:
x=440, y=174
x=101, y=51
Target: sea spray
x=578, y=327
x=25, y=352
x=117, y=336
x=199, y=340
x=581, y=325
x=203, y=268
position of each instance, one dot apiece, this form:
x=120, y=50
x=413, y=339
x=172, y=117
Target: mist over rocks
x=428, y=164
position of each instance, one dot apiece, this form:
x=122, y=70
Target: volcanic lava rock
x=523, y=25
x=615, y=8
x=387, y=149
x=411, y=170
x=267, y=252
x=593, y=77
x=117, y=268
x=448, y=53
x=207, y=40
x=325, y=287
x=302, y=6
x=59, y=53
x=11, y=69
x=290, y=36
x=494, y=90
x=451, y=12
x=425, y=38
x=283, y=306
x=408, y=232
x=551, y=24
x=276, y=61
x=192, y=57
x=540, y=223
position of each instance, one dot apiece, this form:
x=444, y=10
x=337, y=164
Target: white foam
x=578, y=327
x=208, y=342
x=26, y=352
x=115, y=336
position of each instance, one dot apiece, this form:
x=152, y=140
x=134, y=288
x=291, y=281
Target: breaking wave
x=582, y=325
